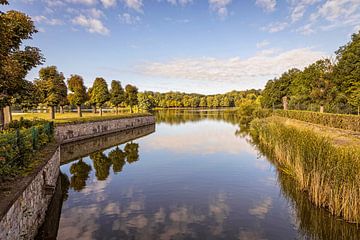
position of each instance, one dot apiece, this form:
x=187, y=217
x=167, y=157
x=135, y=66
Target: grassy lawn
x=73, y=116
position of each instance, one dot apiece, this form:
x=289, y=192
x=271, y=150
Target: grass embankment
x=64, y=118
x=327, y=169
x=343, y=121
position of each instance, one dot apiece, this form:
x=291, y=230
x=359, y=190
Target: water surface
x=196, y=177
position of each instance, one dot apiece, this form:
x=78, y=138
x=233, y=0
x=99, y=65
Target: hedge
x=18, y=146
x=347, y=122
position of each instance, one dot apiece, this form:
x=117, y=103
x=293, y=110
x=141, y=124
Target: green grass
x=66, y=118
x=328, y=172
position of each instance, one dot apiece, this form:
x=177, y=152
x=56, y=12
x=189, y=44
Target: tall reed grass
x=328, y=173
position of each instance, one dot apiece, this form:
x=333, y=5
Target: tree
x=354, y=96
x=78, y=89
x=27, y=97
x=117, y=94
x=131, y=96
x=64, y=100
x=347, y=70
x=146, y=103
x=100, y=93
x=51, y=87
x=15, y=62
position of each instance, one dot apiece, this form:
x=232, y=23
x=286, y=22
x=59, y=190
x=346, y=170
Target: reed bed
x=328, y=173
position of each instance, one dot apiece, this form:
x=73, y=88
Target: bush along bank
x=328, y=173
x=18, y=145
x=346, y=122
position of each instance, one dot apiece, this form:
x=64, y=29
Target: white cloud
x=306, y=29
x=267, y=5
x=92, y=25
x=84, y=2
x=108, y=3
x=136, y=5
x=220, y=7
x=95, y=13
x=299, y=7
x=180, y=2
x=275, y=27
x=128, y=19
x=262, y=44
x=333, y=14
x=48, y=21
x=265, y=64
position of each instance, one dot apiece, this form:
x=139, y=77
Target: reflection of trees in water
x=179, y=116
x=102, y=165
x=80, y=173
x=65, y=184
x=312, y=222
x=132, y=152
x=117, y=157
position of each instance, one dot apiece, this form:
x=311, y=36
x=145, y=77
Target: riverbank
x=24, y=198
x=324, y=163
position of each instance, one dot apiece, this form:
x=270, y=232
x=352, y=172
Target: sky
x=202, y=46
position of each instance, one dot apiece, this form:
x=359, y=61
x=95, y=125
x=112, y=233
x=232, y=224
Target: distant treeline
x=332, y=86
x=193, y=100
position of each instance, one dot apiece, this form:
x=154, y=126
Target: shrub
x=17, y=147
x=346, y=122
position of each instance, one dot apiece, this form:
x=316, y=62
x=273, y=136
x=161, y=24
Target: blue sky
x=200, y=46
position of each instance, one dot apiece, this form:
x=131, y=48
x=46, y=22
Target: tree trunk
x=131, y=110
x=7, y=115
x=2, y=120
x=62, y=109
x=117, y=110
x=94, y=109
x=79, y=111
x=321, y=108
x=100, y=111
x=359, y=110
x=52, y=112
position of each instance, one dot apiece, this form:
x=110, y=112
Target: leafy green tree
x=100, y=93
x=117, y=94
x=15, y=61
x=64, y=100
x=78, y=89
x=354, y=96
x=347, y=70
x=27, y=98
x=145, y=102
x=51, y=87
x=131, y=96
x=202, y=102
x=132, y=152
x=117, y=157
x=80, y=173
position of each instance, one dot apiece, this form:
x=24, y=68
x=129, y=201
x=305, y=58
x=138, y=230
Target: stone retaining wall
x=75, y=132
x=27, y=213
x=78, y=149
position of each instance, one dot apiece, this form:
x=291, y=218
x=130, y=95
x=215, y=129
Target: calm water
x=196, y=177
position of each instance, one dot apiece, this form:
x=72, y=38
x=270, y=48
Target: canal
x=197, y=176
